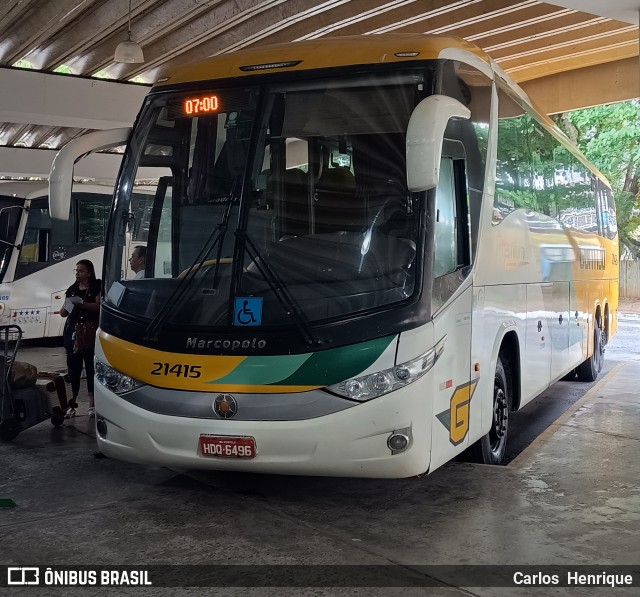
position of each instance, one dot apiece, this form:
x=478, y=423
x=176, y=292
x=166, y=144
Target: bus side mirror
x=425, y=135
x=61, y=176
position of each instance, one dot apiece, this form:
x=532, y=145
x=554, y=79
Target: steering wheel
x=208, y=263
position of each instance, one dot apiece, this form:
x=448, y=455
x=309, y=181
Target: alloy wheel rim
x=598, y=351
x=500, y=419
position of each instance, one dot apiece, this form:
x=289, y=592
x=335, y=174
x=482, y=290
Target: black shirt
x=89, y=295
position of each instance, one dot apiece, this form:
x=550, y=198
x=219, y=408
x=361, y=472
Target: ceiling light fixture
x=129, y=51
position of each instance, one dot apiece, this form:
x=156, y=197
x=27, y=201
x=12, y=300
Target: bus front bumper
x=352, y=442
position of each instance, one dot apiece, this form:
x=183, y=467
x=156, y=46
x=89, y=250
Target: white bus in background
x=38, y=254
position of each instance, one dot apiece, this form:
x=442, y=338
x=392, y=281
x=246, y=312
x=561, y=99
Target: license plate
x=226, y=446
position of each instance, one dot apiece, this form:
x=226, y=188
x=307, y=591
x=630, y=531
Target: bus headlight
x=117, y=382
x=382, y=382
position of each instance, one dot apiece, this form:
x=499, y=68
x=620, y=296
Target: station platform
x=571, y=498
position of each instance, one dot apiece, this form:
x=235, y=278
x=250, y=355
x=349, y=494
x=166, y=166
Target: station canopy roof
x=58, y=77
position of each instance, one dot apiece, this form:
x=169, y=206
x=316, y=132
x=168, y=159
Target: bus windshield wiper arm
x=278, y=288
x=215, y=238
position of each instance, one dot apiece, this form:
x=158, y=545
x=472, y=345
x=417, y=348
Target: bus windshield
x=10, y=214
x=284, y=203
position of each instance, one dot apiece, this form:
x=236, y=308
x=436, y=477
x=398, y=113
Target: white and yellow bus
x=362, y=255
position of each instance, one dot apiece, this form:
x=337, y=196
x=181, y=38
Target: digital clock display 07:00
x=201, y=105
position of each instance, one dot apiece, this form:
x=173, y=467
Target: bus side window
x=452, y=233
x=445, y=260
x=36, y=251
x=452, y=252
x=36, y=243
x=92, y=220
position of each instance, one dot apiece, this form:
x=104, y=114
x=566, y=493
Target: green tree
x=530, y=164
x=610, y=138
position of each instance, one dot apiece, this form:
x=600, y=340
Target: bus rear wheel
x=589, y=370
x=492, y=448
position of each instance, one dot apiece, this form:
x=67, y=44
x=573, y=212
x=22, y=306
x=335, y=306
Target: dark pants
x=75, y=363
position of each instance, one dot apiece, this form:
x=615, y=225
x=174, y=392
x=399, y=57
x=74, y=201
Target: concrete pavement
x=571, y=498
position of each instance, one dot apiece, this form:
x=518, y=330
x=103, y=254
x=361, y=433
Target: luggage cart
x=20, y=408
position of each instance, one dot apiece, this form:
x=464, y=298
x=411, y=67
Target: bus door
x=559, y=322
x=55, y=325
x=31, y=296
x=452, y=307
x=578, y=322
x=536, y=372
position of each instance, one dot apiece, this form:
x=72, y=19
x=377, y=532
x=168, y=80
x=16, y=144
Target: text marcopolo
x=252, y=343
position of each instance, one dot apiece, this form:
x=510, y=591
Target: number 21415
x=177, y=369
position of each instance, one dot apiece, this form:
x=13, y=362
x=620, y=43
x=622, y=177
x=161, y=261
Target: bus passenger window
x=92, y=221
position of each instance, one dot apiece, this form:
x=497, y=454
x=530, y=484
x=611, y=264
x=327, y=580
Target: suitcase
x=23, y=402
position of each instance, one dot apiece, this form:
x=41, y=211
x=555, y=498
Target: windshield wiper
x=280, y=291
x=215, y=238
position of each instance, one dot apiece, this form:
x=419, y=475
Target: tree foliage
x=610, y=138
x=535, y=172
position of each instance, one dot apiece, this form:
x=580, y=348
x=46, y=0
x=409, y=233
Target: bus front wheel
x=589, y=370
x=492, y=448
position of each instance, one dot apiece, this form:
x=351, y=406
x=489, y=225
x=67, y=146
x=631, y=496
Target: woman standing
x=82, y=306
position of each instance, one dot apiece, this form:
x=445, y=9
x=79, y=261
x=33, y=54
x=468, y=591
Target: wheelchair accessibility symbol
x=248, y=311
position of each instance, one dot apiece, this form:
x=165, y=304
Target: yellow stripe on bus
x=176, y=371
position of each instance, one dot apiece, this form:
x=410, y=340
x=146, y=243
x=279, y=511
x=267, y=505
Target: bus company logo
x=456, y=417
x=225, y=406
x=592, y=258
x=23, y=575
x=50, y=576
x=59, y=255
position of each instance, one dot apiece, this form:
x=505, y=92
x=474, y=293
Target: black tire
x=492, y=448
x=9, y=429
x=589, y=370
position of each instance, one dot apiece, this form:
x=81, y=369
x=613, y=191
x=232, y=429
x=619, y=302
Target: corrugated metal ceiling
x=529, y=39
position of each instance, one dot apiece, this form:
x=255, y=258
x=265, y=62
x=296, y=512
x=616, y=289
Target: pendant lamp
x=129, y=51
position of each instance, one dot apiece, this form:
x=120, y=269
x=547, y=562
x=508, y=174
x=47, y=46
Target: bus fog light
x=398, y=442
x=101, y=427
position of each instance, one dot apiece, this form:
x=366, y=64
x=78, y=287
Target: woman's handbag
x=85, y=337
